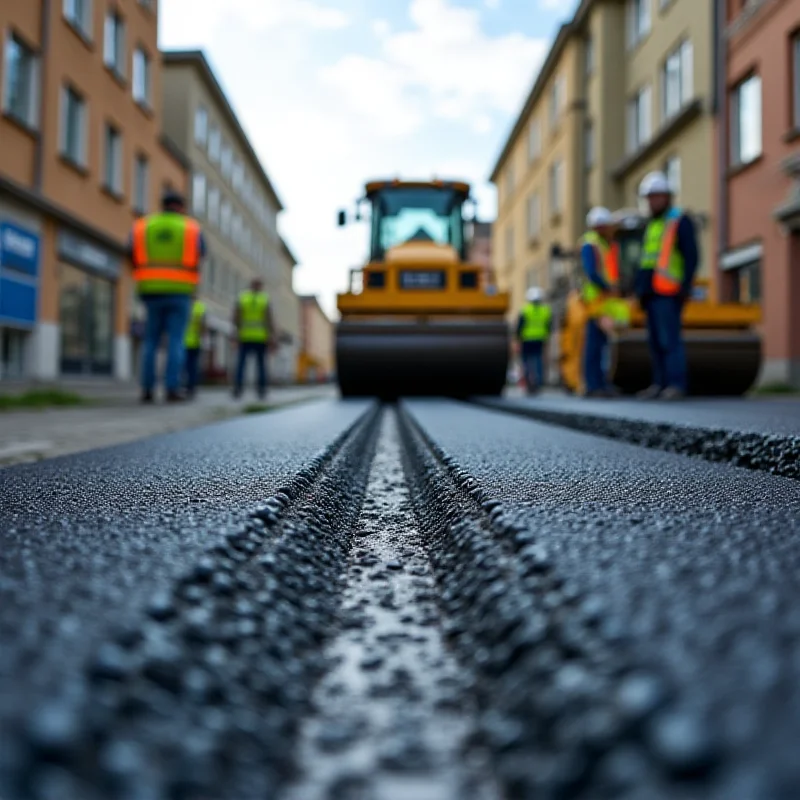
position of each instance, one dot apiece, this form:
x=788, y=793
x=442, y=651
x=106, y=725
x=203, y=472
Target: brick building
x=82, y=155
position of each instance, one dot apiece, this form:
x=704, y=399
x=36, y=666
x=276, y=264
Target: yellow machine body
x=723, y=345
x=419, y=318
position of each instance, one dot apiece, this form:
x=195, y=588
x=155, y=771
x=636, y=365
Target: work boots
x=650, y=393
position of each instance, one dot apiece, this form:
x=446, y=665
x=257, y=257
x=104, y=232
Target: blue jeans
x=260, y=352
x=594, y=358
x=533, y=364
x=166, y=314
x=667, y=351
x=192, y=368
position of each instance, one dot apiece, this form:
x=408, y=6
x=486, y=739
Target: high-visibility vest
x=607, y=260
x=535, y=322
x=191, y=340
x=166, y=254
x=252, y=314
x=660, y=255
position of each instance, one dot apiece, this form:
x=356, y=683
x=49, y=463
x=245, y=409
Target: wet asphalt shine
x=422, y=600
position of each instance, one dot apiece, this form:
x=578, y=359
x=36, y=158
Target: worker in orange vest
x=600, y=261
x=166, y=249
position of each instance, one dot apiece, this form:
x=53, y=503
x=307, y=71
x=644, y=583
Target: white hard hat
x=533, y=295
x=654, y=183
x=598, y=217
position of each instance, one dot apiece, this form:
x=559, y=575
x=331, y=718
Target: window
x=141, y=183
x=509, y=246
x=677, y=85
x=79, y=14
x=534, y=216
x=238, y=174
x=638, y=21
x=556, y=187
x=588, y=146
x=557, y=97
x=213, y=204
x=672, y=169
x=226, y=161
x=746, y=283
x=73, y=126
x=236, y=230
x=114, y=43
x=141, y=77
x=639, y=119
x=21, y=89
x=746, y=121
x=199, y=193
x=214, y=144
x=796, y=80
x=112, y=144
x=588, y=56
x=200, y=125
x=534, y=141
x=510, y=179
x=225, y=218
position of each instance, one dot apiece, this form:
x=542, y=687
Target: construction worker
x=252, y=319
x=600, y=262
x=533, y=331
x=193, y=342
x=664, y=284
x=166, y=249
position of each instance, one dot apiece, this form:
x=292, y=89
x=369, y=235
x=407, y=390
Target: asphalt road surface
x=427, y=600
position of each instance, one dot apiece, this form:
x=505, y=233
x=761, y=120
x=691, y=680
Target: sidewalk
x=115, y=416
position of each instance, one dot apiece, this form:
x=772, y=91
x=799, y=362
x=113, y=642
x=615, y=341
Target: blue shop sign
x=19, y=249
x=19, y=275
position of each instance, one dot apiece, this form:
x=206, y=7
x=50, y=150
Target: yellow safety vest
x=536, y=322
x=192, y=339
x=252, y=313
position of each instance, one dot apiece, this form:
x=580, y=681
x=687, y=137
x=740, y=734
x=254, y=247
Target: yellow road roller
x=723, y=346
x=419, y=318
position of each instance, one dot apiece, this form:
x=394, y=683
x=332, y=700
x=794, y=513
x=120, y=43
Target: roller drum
x=394, y=359
x=720, y=363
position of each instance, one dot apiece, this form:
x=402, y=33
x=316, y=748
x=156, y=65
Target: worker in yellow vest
x=533, y=331
x=193, y=342
x=166, y=249
x=669, y=261
x=252, y=319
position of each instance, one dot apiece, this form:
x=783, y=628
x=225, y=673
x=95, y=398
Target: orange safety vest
x=154, y=266
x=664, y=281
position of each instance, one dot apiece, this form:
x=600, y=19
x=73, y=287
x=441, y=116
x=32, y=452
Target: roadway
x=437, y=599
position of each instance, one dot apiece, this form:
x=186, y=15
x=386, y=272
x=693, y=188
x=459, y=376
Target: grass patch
x=40, y=398
x=257, y=408
x=776, y=388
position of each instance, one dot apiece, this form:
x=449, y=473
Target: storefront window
x=87, y=322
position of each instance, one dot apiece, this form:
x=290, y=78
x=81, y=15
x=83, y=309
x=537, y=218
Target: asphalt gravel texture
x=756, y=435
x=648, y=605
x=602, y=620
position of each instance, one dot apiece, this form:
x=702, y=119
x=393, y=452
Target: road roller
x=419, y=318
x=723, y=346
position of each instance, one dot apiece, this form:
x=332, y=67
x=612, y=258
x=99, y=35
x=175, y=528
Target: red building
x=758, y=170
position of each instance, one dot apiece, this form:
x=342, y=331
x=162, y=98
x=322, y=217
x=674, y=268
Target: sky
x=332, y=93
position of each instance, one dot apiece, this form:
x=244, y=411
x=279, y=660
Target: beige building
x=315, y=362
x=235, y=201
x=286, y=308
x=621, y=93
x=81, y=156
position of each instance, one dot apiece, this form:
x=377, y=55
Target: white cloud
x=446, y=66
x=190, y=22
x=493, y=4
x=381, y=28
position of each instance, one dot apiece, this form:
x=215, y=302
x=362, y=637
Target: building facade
x=287, y=321
x=537, y=177
x=620, y=94
x=233, y=198
x=315, y=363
x=82, y=156
x=758, y=171
x=480, y=250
